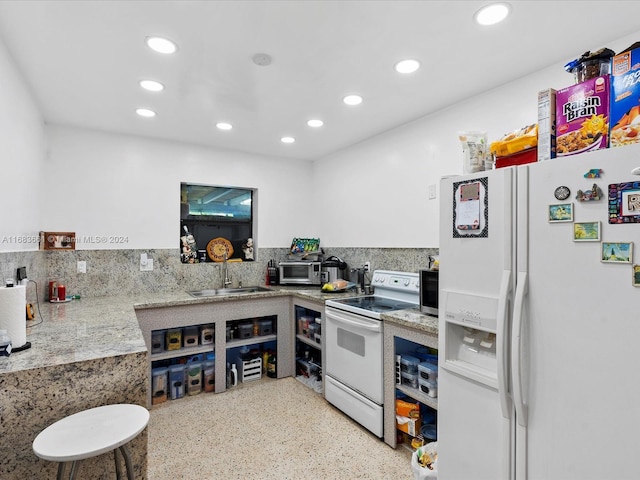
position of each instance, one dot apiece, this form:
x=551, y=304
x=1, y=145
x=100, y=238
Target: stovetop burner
x=393, y=291
x=376, y=304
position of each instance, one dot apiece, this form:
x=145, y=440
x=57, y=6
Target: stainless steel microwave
x=429, y=292
x=300, y=273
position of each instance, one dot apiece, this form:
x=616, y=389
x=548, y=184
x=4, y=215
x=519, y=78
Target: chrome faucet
x=227, y=280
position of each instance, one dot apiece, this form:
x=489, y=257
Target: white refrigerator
x=539, y=321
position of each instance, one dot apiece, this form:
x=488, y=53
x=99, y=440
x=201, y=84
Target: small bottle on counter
x=5, y=344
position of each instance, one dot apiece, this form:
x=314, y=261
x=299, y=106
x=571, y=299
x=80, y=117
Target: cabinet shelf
x=251, y=341
x=419, y=396
x=309, y=342
x=182, y=352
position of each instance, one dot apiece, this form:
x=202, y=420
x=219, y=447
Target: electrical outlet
x=21, y=274
x=82, y=266
x=367, y=266
x=432, y=191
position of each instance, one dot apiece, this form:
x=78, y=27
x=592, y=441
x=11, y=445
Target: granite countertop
x=99, y=327
x=413, y=318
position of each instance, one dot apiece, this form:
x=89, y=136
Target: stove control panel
x=399, y=281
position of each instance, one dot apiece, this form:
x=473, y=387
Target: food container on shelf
x=409, y=364
x=157, y=341
x=409, y=379
x=194, y=378
x=173, y=339
x=245, y=330
x=209, y=375
x=265, y=327
x=176, y=381
x=190, y=336
x=590, y=65
x=428, y=387
x=158, y=385
x=206, y=334
x=428, y=371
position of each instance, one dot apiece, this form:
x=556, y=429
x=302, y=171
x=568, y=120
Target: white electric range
x=353, y=340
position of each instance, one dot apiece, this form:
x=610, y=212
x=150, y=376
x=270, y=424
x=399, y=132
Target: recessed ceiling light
x=224, y=126
x=352, y=99
x=161, y=45
x=315, y=123
x=287, y=139
x=407, y=66
x=492, y=14
x=152, y=85
x=145, y=112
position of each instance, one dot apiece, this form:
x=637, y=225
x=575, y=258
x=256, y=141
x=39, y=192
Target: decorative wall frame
x=624, y=202
x=636, y=276
x=586, y=232
x=561, y=212
x=616, y=252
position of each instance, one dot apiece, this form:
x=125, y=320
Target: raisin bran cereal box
x=625, y=98
x=582, y=117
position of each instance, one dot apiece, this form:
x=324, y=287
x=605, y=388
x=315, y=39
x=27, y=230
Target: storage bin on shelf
x=176, y=381
x=206, y=334
x=157, y=341
x=159, y=385
x=173, y=339
x=190, y=336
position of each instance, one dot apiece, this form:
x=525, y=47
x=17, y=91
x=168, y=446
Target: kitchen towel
x=13, y=301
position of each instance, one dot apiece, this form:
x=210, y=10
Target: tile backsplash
x=116, y=272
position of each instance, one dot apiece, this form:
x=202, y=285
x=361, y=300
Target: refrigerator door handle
x=503, y=345
x=516, y=348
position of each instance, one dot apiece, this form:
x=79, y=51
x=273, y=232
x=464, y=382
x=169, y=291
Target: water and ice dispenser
x=471, y=335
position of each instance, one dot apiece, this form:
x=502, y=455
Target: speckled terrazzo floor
x=265, y=430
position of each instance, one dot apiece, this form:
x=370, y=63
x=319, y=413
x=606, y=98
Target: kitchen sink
x=219, y=292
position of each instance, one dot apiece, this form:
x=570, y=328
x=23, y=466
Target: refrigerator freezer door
x=475, y=416
x=581, y=329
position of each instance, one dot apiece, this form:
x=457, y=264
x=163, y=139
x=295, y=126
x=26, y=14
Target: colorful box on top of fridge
x=625, y=98
x=582, y=117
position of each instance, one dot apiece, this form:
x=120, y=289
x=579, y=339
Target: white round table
x=90, y=433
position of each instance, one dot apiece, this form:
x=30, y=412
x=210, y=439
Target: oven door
x=354, y=352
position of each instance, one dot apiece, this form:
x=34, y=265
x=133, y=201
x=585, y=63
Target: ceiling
x=83, y=61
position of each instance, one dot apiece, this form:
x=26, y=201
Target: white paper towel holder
x=27, y=345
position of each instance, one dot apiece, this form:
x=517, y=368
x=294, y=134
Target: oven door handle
x=377, y=327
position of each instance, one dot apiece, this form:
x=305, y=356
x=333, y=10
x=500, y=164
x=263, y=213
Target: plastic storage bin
x=190, y=336
x=157, y=341
x=428, y=371
x=173, y=339
x=409, y=364
x=410, y=379
x=245, y=330
x=265, y=327
x=429, y=387
x=206, y=334
x=194, y=378
x=158, y=385
x=209, y=376
x=176, y=381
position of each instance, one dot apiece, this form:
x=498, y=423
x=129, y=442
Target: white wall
x=378, y=188
x=373, y=194
x=111, y=185
x=21, y=154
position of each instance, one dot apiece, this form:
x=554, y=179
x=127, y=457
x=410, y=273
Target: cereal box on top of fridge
x=582, y=117
x=625, y=98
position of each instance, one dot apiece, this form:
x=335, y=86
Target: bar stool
x=90, y=433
